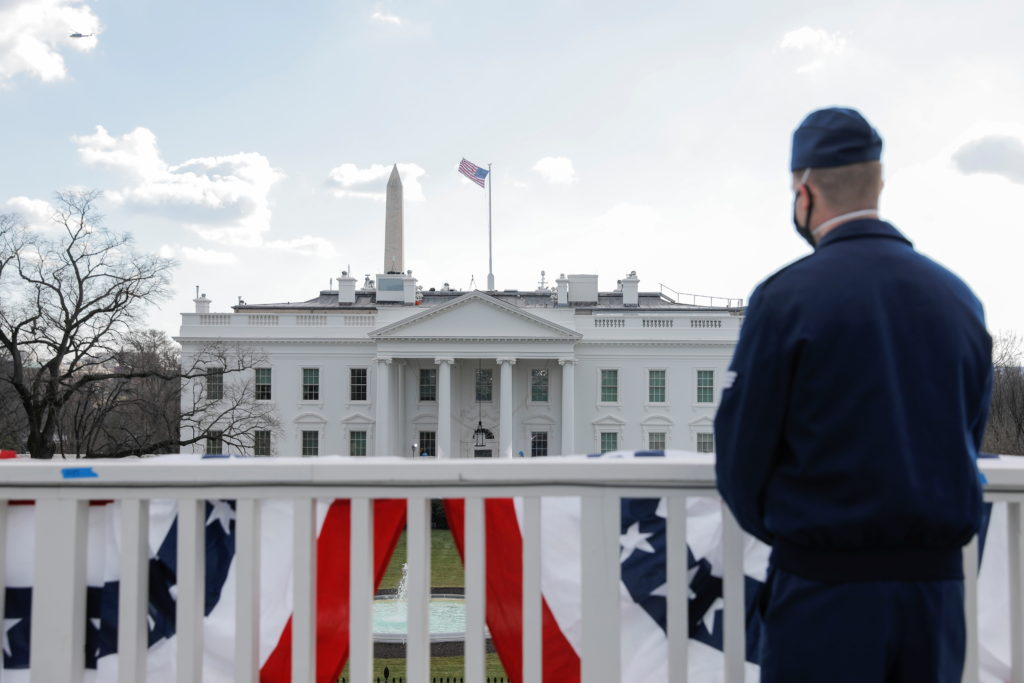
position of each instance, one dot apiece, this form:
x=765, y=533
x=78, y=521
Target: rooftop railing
x=62, y=491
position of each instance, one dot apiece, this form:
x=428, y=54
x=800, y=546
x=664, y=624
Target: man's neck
x=838, y=218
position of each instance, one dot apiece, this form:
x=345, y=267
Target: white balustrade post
x=188, y=624
x=601, y=658
x=475, y=592
x=444, y=407
x=304, y=558
x=417, y=649
x=247, y=590
x=568, y=406
x=382, y=403
x=360, y=622
x=734, y=613
x=58, y=599
x=970, y=564
x=505, y=429
x=532, y=622
x=133, y=595
x=1015, y=529
x=678, y=597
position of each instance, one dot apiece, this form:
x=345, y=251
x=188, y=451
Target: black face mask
x=804, y=230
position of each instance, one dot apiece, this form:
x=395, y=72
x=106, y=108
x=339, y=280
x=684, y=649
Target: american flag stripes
x=473, y=172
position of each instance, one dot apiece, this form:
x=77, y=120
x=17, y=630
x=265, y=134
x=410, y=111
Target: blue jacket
x=849, y=434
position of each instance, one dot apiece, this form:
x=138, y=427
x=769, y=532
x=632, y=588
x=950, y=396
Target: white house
x=390, y=369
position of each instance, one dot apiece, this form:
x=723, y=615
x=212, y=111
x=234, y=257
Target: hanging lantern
x=480, y=435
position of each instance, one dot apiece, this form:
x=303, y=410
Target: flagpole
x=490, y=252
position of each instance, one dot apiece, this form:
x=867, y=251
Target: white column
x=383, y=439
x=568, y=405
x=444, y=407
x=505, y=428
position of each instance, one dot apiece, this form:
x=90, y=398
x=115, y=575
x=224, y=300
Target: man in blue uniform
x=849, y=428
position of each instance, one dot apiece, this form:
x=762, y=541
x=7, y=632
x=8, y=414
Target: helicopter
x=76, y=34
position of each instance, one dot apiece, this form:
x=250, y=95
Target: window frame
x=302, y=442
x=601, y=441
x=478, y=373
x=268, y=385
x=427, y=435
x=256, y=446
x=210, y=440
x=709, y=442
x=534, y=434
x=534, y=374
x=423, y=374
x=650, y=439
x=601, y=387
x=698, y=387
x=353, y=385
x=312, y=396
x=651, y=387
x=352, y=442
x=211, y=373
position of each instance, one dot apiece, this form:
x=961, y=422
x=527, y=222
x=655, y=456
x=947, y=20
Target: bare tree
x=1004, y=433
x=69, y=301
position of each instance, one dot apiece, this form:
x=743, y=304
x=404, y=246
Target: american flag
x=473, y=172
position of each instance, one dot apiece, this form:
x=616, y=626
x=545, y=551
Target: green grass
x=445, y=564
x=445, y=572
x=439, y=666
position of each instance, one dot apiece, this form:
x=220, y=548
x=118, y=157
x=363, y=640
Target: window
x=428, y=384
x=538, y=444
x=357, y=384
x=484, y=384
x=656, y=386
x=263, y=384
x=214, y=442
x=428, y=443
x=215, y=384
x=705, y=442
x=310, y=384
x=705, y=386
x=609, y=386
x=609, y=441
x=261, y=443
x=539, y=385
x=357, y=443
x=656, y=441
x=310, y=442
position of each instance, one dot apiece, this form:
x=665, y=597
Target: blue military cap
x=836, y=136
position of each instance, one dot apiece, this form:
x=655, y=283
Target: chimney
x=582, y=289
x=346, y=288
x=562, y=289
x=202, y=304
x=630, y=289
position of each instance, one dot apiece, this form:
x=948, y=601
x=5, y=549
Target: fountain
x=390, y=617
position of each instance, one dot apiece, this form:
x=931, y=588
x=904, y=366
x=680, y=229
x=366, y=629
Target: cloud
x=348, y=180
x=386, y=17
x=304, y=246
x=998, y=154
x=556, y=170
x=33, y=31
x=224, y=199
x=626, y=217
x=36, y=213
x=206, y=257
x=816, y=43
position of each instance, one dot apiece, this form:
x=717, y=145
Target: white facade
x=391, y=370
x=520, y=337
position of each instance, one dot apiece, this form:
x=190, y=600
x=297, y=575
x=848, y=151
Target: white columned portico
x=505, y=408
x=568, y=405
x=444, y=407
x=383, y=408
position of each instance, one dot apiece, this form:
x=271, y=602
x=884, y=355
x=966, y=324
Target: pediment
x=475, y=316
x=702, y=422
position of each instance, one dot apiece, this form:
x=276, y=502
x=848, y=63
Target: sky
x=251, y=141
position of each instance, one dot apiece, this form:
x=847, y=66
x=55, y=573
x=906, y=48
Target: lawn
x=445, y=572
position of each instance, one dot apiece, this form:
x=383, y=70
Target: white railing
x=62, y=492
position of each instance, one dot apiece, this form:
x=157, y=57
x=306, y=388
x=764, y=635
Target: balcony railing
x=62, y=491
